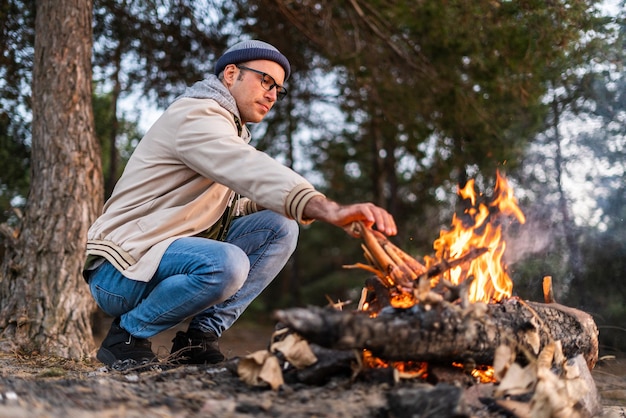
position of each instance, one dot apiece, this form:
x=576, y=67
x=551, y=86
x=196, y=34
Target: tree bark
x=447, y=333
x=45, y=303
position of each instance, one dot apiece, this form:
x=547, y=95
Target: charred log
x=445, y=332
x=331, y=363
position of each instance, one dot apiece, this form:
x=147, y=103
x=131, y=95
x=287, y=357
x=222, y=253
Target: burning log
x=415, y=320
x=447, y=333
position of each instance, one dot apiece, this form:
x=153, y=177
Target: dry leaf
x=550, y=398
x=296, y=350
x=259, y=369
x=502, y=360
x=559, y=357
x=532, y=337
x=556, y=395
x=580, y=385
x=271, y=373
x=517, y=381
x=545, y=358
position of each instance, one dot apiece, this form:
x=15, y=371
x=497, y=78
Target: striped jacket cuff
x=297, y=200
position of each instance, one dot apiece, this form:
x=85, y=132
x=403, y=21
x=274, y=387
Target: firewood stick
x=374, y=247
x=399, y=262
x=399, y=256
x=387, y=265
x=383, y=273
x=399, y=277
x=396, y=272
x=362, y=299
x=415, y=265
x=548, y=294
x=403, y=258
x=370, y=258
x=337, y=305
x=385, y=276
x=379, y=235
x=366, y=267
x=446, y=265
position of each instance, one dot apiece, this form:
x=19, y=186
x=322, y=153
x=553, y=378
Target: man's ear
x=230, y=72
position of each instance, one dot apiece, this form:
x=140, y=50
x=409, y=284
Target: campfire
x=468, y=263
x=469, y=255
x=450, y=318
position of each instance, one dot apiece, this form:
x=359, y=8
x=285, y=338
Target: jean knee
x=235, y=268
x=289, y=232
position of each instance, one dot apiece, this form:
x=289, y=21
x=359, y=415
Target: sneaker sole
x=107, y=357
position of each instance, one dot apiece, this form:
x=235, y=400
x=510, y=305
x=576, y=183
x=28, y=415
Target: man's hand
x=343, y=216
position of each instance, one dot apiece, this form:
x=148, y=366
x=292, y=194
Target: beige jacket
x=179, y=181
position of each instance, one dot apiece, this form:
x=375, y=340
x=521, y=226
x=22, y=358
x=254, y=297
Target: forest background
x=398, y=103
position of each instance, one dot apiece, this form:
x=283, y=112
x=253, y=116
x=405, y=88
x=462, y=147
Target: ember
x=483, y=374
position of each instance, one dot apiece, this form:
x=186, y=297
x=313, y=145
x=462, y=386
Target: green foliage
x=14, y=176
x=426, y=89
x=17, y=32
x=16, y=40
x=127, y=134
x=163, y=46
x=429, y=95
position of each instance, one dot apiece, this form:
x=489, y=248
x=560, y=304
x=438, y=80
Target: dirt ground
x=53, y=388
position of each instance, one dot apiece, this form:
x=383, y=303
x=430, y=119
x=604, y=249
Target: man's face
x=249, y=87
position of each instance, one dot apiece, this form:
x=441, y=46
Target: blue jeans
x=211, y=281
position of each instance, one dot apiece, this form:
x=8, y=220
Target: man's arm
x=325, y=210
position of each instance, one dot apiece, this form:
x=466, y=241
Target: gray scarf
x=212, y=88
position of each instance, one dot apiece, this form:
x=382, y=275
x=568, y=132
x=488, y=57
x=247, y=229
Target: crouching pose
x=200, y=222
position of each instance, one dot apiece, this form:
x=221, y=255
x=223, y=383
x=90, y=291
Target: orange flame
x=478, y=229
x=415, y=369
x=482, y=374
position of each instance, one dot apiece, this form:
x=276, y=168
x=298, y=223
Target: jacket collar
x=213, y=88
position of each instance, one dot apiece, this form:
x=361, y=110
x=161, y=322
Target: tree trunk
x=446, y=333
x=45, y=303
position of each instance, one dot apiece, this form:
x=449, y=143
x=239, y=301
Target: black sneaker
x=196, y=347
x=120, y=350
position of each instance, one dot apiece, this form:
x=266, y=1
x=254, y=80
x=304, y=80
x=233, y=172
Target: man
x=201, y=222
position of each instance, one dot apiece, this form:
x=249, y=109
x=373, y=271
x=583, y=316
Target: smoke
x=534, y=236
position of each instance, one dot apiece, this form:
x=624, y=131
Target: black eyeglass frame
x=281, y=91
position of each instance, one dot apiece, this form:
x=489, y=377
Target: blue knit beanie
x=250, y=51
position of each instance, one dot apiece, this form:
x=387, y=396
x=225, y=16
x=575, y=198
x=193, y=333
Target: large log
x=446, y=332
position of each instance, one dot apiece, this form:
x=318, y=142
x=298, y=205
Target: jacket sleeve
x=207, y=142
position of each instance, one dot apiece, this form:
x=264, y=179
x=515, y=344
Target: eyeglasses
x=267, y=82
